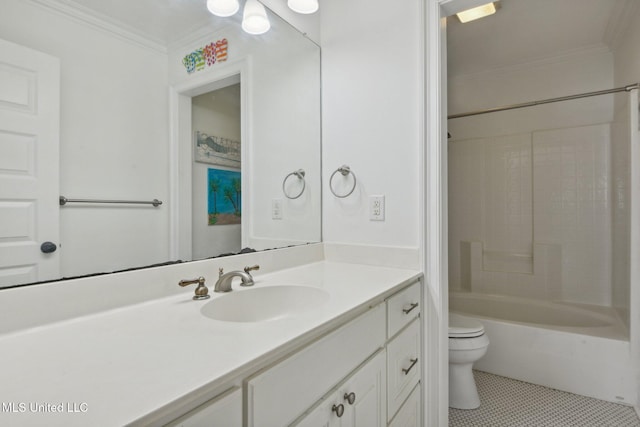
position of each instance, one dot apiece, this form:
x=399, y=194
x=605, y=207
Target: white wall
x=215, y=113
x=371, y=75
x=626, y=57
x=585, y=72
x=113, y=138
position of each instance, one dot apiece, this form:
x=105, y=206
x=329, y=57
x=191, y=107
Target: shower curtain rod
x=545, y=101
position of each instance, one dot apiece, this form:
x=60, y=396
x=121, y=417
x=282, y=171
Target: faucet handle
x=252, y=268
x=202, y=292
x=220, y=271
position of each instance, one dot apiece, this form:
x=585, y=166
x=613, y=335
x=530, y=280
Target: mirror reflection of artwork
x=217, y=150
x=224, y=200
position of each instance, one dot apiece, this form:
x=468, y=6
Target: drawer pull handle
x=413, y=363
x=410, y=309
x=350, y=397
x=338, y=409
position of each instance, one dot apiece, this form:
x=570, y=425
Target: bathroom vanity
x=353, y=376
x=350, y=355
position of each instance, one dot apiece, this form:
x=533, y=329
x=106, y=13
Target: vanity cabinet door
x=324, y=415
x=359, y=402
x=222, y=411
x=367, y=389
x=410, y=414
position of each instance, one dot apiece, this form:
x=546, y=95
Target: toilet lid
x=464, y=327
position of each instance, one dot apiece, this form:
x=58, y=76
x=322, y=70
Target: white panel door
x=29, y=164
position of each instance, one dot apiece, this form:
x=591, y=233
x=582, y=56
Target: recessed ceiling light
x=476, y=12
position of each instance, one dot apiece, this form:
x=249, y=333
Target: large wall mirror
x=157, y=100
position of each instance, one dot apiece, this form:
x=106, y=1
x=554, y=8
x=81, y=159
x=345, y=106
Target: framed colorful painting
x=224, y=197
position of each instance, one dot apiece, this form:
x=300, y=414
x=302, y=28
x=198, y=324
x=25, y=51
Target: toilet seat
x=464, y=327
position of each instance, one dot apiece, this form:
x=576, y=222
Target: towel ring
x=300, y=174
x=344, y=170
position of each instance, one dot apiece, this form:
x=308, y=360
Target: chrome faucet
x=202, y=292
x=224, y=279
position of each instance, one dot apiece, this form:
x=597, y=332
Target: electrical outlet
x=276, y=208
x=376, y=208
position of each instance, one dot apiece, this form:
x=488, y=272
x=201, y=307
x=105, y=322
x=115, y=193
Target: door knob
x=48, y=247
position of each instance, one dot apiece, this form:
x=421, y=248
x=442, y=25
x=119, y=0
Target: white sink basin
x=261, y=304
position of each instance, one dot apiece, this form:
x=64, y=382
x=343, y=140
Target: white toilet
x=467, y=344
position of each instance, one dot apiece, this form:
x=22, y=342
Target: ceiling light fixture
x=254, y=18
x=303, y=6
x=476, y=13
x=223, y=8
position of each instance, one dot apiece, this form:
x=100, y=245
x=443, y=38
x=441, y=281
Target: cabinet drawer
x=410, y=415
x=222, y=411
x=280, y=394
x=402, y=308
x=403, y=366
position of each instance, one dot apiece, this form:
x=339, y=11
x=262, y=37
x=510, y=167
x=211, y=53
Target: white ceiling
x=523, y=31
x=162, y=21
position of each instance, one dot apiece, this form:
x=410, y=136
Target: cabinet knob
x=350, y=398
x=338, y=409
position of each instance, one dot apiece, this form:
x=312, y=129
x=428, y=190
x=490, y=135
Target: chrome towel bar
x=154, y=202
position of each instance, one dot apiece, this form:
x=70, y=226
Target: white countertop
x=115, y=367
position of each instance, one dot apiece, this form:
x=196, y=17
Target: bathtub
x=575, y=348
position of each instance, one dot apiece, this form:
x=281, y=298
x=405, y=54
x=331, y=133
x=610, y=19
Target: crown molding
x=100, y=22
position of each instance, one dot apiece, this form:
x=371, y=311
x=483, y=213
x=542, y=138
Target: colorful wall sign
x=206, y=56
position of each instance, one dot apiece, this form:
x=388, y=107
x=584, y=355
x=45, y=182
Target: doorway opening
x=216, y=172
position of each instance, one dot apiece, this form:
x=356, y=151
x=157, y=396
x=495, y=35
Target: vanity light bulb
x=223, y=8
x=303, y=6
x=254, y=18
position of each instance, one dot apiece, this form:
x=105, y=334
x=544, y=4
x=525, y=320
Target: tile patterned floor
x=511, y=403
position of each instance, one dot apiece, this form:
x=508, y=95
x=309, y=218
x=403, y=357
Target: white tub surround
x=150, y=362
